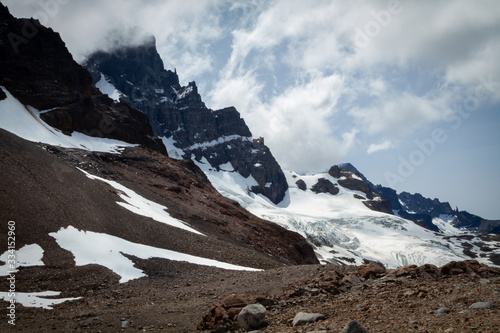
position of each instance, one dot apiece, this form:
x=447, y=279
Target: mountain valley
x=135, y=207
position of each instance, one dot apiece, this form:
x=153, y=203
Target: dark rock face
x=218, y=137
x=325, y=186
x=350, y=178
x=417, y=203
x=301, y=184
x=422, y=210
x=356, y=185
x=380, y=205
x=38, y=70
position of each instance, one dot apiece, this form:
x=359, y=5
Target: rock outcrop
x=325, y=186
x=355, y=181
x=331, y=298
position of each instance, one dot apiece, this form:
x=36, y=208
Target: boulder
x=371, y=270
x=302, y=318
x=353, y=327
x=301, y=184
x=252, y=317
x=325, y=186
x=482, y=305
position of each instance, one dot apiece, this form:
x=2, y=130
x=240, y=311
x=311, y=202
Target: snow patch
x=97, y=248
x=25, y=122
x=354, y=176
x=142, y=206
x=37, y=299
x=226, y=167
x=186, y=92
x=230, y=184
x=28, y=255
x=172, y=150
x=444, y=223
x=108, y=89
x=220, y=140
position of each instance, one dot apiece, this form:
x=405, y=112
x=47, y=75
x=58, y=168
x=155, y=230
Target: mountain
x=341, y=213
x=190, y=130
x=92, y=170
x=424, y=210
x=102, y=230
x=38, y=70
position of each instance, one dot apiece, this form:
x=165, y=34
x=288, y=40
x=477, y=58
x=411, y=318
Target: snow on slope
x=341, y=227
x=142, y=206
x=37, y=299
x=28, y=255
x=444, y=223
x=108, y=89
x=25, y=122
x=107, y=250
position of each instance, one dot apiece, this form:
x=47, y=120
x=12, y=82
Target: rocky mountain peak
x=4, y=13
x=178, y=115
x=349, y=177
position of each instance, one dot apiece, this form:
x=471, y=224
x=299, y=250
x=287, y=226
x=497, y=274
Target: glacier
x=341, y=228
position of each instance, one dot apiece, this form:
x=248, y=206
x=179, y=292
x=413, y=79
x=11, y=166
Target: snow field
x=341, y=227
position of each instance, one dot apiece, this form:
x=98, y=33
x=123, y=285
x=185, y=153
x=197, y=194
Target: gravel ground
x=176, y=296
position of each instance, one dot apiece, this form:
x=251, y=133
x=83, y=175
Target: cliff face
x=39, y=71
x=178, y=114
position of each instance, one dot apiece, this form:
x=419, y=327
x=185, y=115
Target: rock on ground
x=303, y=318
x=252, y=317
x=353, y=327
x=482, y=305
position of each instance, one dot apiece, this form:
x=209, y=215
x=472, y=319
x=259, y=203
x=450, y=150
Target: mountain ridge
x=229, y=162
x=422, y=209
x=179, y=116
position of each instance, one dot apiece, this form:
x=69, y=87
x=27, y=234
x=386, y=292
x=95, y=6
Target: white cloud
x=293, y=70
x=297, y=124
x=375, y=147
x=401, y=114
x=183, y=29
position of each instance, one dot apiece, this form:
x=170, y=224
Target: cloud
x=183, y=29
x=375, y=147
x=400, y=115
x=294, y=70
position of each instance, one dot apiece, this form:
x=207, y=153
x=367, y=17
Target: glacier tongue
x=340, y=227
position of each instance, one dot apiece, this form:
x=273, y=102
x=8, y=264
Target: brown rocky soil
x=176, y=296
x=402, y=300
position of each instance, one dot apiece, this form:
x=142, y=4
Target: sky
x=407, y=91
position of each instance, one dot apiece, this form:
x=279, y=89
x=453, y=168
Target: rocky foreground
x=458, y=297
x=181, y=297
